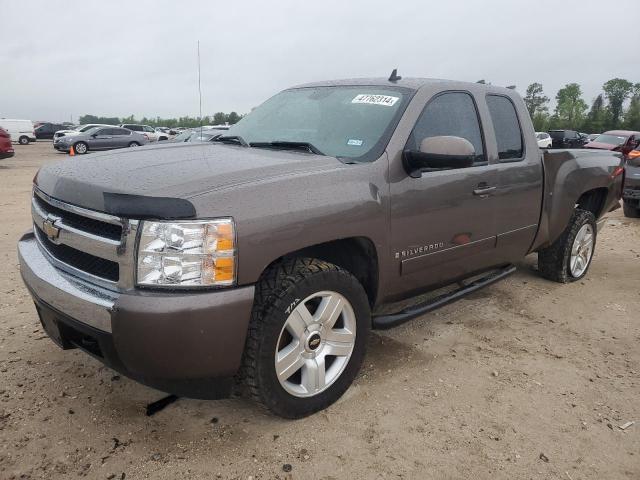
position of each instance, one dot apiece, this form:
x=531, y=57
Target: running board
x=383, y=322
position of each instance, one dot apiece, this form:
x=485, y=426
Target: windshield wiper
x=231, y=139
x=285, y=144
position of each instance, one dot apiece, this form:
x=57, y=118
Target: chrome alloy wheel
x=80, y=148
x=581, y=251
x=315, y=344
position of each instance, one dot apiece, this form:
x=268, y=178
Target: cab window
x=450, y=114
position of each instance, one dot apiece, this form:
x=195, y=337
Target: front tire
x=630, y=211
x=80, y=148
x=307, y=336
x=569, y=257
x=23, y=140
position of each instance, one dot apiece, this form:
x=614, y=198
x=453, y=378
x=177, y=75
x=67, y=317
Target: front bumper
x=7, y=154
x=189, y=344
x=61, y=147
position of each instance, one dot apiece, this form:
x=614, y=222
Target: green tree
x=219, y=118
x=617, y=90
x=541, y=121
x=233, y=117
x=535, y=100
x=597, y=119
x=570, y=108
x=632, y=116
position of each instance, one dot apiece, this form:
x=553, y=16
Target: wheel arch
x=593, y=200
x=357, y=255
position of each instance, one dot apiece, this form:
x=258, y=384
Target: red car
x=6, y=148
x=619, y=140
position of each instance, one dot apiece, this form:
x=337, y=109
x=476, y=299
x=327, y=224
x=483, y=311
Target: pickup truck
x=260, y=261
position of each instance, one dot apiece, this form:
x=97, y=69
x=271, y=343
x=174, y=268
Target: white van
x=21, y=131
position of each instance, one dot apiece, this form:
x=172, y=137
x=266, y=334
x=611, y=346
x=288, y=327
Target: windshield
x=610, y=139
x=85, y=128
x=351, y=122
x=91, y=131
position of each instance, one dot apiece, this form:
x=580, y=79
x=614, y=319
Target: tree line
x=219, y=118
x=616, y=107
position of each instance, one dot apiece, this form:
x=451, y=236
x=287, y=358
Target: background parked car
x=100, y=138
x=566, y=139
x=591, y=137
x=631, y=193
x=162, y=133
x=21, y=131
x=544, y=139
x=142, y=129
x=45, y=131
x=78, y=129
x=619, y=140
x=199, y=134
x=6, y=147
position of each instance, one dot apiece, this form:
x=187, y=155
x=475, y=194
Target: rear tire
x=569, y=257
x=80, y=148
x=630, y=211
x=23, y=140
x=134, y=144
x=317, y=355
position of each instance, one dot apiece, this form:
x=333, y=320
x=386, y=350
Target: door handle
x=483, y=190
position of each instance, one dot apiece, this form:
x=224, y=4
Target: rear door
x=519, y=177
x=443, y=224
x=120, y=137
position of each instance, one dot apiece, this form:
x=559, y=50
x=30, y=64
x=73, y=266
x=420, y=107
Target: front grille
x=91, y=245
x=89, y=225
x=90, y=264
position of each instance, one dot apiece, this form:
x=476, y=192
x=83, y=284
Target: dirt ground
x=526, y=379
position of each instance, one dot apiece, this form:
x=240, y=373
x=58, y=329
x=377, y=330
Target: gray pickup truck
x=261, y=260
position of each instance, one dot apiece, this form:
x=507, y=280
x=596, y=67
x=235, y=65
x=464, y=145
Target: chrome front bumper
x=64, y=292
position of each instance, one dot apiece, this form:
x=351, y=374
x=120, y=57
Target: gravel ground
x=525, y=379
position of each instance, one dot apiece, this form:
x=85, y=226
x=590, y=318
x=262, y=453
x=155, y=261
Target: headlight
x=187, y=254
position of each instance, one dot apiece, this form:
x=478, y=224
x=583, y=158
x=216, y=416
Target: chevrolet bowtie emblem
x=49, y=227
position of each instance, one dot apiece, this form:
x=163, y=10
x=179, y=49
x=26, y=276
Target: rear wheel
x=80, y=148
x=569, y=257
x=307, y=336
x=23, y=140
x=630, y=211
x=134, y=144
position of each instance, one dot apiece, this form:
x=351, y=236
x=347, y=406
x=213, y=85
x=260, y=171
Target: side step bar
x=383, y=322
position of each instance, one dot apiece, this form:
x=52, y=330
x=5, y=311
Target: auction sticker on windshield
x=386, y=100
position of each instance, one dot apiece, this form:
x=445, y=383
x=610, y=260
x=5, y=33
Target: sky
x=60, y=60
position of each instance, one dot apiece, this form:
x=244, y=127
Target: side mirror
x=439, y=153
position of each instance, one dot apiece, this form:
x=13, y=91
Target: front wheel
x=630, y=211
x=80, y=148
x=23, y=140
x=307, y=336
x=569, y=257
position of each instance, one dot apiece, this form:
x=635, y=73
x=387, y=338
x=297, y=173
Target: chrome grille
x=92, y=245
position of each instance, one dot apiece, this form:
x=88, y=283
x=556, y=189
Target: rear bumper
x=189, y=344
x=8, y=154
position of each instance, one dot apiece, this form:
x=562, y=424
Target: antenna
x=199, y=90
x=394, y=77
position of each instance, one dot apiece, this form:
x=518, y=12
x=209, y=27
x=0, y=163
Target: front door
x=443, y=224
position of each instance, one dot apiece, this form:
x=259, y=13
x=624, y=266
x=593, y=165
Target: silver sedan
x=100, y=138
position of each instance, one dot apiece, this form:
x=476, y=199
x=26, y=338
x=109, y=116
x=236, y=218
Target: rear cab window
x=506, y=126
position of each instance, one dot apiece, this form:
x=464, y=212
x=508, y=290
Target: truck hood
x=181, y=171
